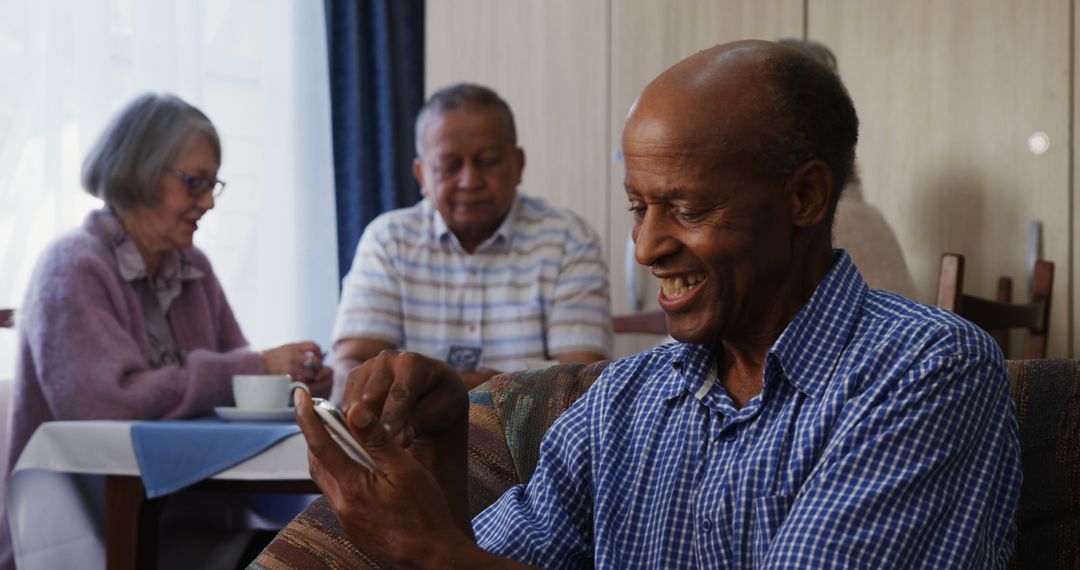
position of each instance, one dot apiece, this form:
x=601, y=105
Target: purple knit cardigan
x=83, y=352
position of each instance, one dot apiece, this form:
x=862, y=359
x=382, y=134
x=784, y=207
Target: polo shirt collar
x=501, y=237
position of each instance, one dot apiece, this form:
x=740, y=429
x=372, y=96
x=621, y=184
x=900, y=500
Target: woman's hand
x=301, y=360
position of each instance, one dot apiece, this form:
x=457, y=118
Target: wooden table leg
x=131, y=520
x=131, y=524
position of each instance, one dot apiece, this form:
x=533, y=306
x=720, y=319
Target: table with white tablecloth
x=56, y=500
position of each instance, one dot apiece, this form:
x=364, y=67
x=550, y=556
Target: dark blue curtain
x=376, y=50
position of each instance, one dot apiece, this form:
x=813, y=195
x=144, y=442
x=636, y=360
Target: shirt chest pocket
x=769, y=513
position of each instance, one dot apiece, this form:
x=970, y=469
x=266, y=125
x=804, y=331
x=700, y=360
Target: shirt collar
x=502, y=234
x=694, y=365
x=175, y=265
x=807, y=349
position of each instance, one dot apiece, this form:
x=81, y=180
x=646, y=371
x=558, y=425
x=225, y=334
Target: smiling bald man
x=804, y=420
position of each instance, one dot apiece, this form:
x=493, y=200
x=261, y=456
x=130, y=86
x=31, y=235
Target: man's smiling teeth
x=676, y=286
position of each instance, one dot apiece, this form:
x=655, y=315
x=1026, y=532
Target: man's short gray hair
x=812, y=117
x=125, y=165
x=467, y=97
x=816, y=50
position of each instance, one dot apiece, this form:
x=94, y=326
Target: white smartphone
x=334, y=421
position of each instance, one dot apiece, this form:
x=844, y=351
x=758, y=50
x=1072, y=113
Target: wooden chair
x=645, y=322
x=1000, y=315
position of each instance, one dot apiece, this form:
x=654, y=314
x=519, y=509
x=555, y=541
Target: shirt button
x=728, y=436
x=706, y=525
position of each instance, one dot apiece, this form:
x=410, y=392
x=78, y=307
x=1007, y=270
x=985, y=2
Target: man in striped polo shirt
x=477, y=274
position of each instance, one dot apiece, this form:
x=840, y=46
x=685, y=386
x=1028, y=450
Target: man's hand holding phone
x=334, y=421
x=410, y=416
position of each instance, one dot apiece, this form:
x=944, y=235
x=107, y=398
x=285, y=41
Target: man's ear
x=519, y=155
x=418, y=173
x=810, y=189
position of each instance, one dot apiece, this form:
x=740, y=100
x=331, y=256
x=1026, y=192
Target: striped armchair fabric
x=509, y=414
x=1047, y=395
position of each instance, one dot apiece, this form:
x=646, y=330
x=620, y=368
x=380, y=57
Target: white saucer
x=234, y=414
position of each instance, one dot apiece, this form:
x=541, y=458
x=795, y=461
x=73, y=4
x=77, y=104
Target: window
x=257, y=68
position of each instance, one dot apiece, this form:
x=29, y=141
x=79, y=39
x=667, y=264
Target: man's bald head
x=755, y=99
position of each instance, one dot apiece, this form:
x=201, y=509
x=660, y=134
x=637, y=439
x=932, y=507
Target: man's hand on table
x=474, y=379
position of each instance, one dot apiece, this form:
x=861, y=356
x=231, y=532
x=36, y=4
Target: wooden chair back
x=1000, y=315
x=645, y=322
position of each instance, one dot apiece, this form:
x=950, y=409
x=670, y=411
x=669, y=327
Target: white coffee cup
x=263, y=391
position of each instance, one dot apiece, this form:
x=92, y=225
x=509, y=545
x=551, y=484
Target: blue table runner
x=173, y=454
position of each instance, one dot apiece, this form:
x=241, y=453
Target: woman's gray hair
x=125, y=165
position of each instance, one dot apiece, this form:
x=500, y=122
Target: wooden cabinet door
x=1072, y=274
x=949, y=94
x=549, y=60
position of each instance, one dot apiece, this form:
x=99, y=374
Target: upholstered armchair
x=509, y=414
x=1047, y=395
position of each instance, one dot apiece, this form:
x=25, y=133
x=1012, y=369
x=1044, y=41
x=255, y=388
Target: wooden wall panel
x=646, y=38
x=1074, y=226
x=949, y=94
x=549, y=60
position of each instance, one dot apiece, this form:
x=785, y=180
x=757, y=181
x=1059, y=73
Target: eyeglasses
x=196, y=185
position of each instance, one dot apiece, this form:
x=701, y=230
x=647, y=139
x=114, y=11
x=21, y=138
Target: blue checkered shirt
x=884, y=437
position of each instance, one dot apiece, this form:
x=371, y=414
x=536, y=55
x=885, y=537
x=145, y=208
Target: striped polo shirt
x=535, y=289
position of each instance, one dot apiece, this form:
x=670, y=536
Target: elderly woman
x=124, y=318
